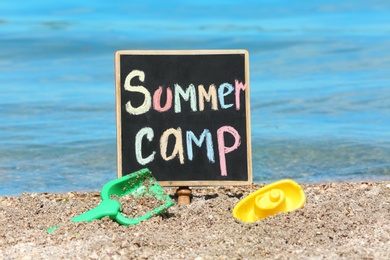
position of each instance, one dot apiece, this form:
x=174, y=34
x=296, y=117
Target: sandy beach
x=338, y=221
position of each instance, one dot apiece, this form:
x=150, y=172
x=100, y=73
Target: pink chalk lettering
x=157, y=100
x=239, y=86
x=222, y=149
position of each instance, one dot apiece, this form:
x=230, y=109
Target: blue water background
x=319, y=78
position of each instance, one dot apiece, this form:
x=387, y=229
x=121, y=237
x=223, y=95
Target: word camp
x=173, y=100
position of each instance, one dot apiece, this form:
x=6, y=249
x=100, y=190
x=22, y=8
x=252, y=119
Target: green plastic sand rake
x=134, y=185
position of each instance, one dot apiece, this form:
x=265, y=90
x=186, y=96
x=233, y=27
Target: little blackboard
x=184, y=115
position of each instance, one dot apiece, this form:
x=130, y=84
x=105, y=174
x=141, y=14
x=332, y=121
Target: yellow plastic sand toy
x=281, y=196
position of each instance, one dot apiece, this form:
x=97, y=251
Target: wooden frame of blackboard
x=165, y=53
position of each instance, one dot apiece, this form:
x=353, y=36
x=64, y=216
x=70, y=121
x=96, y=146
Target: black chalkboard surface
x=185, y=116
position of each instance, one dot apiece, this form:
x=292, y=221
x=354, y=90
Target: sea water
x=319, y=84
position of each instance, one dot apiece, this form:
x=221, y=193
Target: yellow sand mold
x=281, y=196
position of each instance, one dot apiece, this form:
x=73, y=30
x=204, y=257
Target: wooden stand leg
x=183, y=195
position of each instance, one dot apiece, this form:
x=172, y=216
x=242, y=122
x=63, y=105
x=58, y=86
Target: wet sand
x=338, y=221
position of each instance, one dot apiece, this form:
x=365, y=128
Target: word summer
x=175, y=97
x=190, y=140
